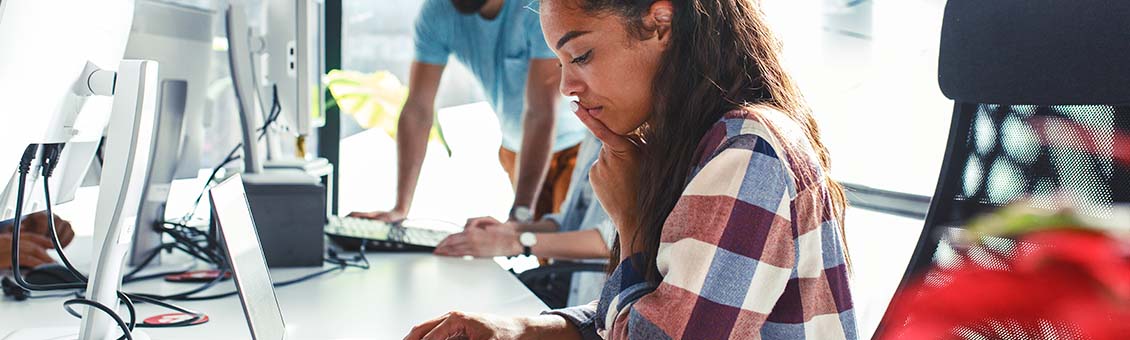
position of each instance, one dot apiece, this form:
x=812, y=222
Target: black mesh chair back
x=1041, y=91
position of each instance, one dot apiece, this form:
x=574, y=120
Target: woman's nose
x=571, y=85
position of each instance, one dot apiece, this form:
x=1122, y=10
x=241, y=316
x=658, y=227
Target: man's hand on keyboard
x=384, y=216
x=481, y=222
x=493, y=240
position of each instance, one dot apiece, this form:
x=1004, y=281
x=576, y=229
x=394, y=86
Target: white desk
x=384, y=302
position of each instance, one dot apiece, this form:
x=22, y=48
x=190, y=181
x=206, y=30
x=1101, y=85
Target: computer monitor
x=295, y=38
x=245, y=255
x=52, y=61
x=179, y=37
x=249, y=96
x=147, y=238
x=76, y=158
x=41, y=58
x=128, y=154
x=246, y=90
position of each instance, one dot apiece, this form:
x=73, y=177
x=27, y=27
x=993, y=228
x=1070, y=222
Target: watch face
x=523, y=214
x=527, y=239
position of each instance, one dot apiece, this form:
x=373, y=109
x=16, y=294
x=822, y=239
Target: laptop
x=378, y=235
x=245, y=255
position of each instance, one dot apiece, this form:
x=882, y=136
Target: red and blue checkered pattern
x=751, y=250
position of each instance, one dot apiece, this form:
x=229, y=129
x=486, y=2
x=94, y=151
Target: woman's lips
x=594, y=111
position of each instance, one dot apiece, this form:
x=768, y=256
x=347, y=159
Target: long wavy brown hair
x=722, y=56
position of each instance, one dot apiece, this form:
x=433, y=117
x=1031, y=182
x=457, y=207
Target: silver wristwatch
x=528, y=240
x=522, y=214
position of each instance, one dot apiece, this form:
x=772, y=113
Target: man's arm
x=413, y=128
x=500, y=240
x=543, y=226
x=537, y=130
x=573, y=245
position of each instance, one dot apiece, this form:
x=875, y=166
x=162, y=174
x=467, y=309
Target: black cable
x=358, y=261
x=197, y=250
x=189, y=229
x=51, y=156
x=23, y=169
x=127, y=329
x=98, y=152
x=187, y=240
x=196, y=316
x=193, y=253
x=191, y=234
x=183, y=242
x=272, y=116
x=304, y=278
x=341, y=264
x=129, y=277
x=183, y=295
x=360, y=257
x=188, y=245
x=50, y=160
x=231, y=157
x=132, y=276
x=17, y=276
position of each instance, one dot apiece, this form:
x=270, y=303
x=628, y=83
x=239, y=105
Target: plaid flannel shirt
x=751, y=250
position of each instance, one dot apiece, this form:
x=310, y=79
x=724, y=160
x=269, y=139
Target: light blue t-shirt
x=498, y=53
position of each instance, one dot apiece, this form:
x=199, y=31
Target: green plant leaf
x=374, y=100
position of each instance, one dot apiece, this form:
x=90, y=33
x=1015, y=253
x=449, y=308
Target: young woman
x=712, y=171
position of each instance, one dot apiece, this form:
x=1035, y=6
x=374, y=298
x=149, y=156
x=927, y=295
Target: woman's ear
x=660, y=15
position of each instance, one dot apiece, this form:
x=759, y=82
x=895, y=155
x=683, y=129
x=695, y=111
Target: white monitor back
x=178, y=37
x=244, y=82
x=295, y=38
x=43, y=52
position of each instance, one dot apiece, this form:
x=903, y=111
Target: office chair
x=551, y=282
x=1041, y=92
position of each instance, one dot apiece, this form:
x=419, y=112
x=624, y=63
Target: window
x=869, y=70
x=377, y=36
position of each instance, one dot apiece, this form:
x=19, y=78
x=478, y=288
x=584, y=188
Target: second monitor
x=295, y=41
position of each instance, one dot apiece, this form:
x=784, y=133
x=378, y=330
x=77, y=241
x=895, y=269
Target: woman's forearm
x=549, y=327
x=572, y=245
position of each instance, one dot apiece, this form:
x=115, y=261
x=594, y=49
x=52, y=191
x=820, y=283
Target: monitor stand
x=129, y=136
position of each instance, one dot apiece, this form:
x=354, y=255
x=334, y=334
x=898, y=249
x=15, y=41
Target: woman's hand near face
x=615, y=176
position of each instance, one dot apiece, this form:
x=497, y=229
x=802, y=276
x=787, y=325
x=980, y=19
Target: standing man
x=501, y=42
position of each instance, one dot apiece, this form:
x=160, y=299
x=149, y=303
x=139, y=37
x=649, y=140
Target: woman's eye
x=584, y=58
